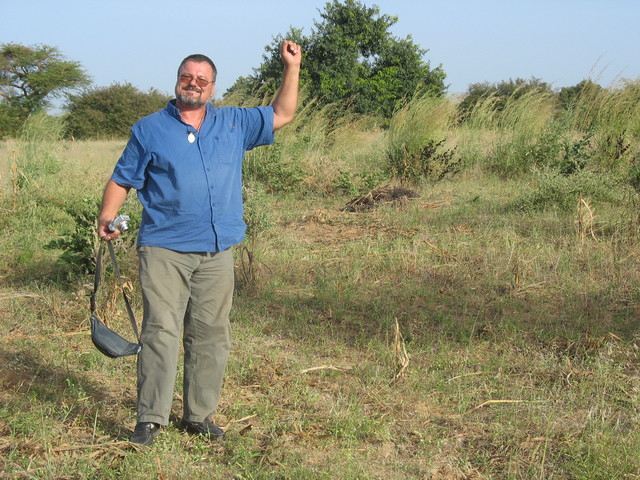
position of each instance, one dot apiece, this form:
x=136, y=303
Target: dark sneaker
x=144, y=433
x=206, y=428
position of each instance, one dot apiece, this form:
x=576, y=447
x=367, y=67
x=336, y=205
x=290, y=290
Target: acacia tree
x=30, y=77
x=351, y=56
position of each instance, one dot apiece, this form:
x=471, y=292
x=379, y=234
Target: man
x=186, y=163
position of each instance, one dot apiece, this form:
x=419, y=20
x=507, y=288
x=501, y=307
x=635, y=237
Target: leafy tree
x=501, y=92
x=569, y=96
x=11, y=120
x=267, y=76
x=351, y=57
x=109, y=112
x=30, y=77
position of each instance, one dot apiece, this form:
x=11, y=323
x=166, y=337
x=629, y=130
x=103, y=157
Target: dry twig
x=493, y=402
x=586, y=221
x=402, y=357
x=464, y=375
x=326, y=367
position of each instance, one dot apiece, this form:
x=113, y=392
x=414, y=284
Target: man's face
x=195, y=85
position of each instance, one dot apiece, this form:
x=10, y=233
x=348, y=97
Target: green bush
x=358, y=183
x=79, y=239
x=551, y=189
x=268, y=166
x=109, y=112
x=433, y=162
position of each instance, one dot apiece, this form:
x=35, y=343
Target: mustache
x=192, y=87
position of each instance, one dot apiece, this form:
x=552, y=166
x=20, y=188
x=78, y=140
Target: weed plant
x=485, y=329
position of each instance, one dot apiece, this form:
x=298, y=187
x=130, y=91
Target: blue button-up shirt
x=191, y=192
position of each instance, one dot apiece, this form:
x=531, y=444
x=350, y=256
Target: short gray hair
x=199, y=58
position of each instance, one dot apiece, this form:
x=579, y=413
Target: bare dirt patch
x=335, y=227
x=395, y=196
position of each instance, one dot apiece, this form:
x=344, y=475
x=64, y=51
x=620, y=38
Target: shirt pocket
x=225, y=148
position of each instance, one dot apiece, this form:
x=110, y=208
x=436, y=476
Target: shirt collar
x=174, y=112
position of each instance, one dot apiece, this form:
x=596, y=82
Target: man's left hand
x=291, y=53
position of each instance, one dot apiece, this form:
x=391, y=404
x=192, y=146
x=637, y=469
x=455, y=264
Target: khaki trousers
x=191, y=292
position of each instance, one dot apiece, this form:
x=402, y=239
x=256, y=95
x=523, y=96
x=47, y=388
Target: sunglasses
x=186, y=79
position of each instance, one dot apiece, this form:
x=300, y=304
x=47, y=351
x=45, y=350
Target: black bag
x=106, y=340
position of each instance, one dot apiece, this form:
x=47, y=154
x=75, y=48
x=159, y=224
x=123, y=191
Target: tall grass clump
x=417, y=140
x=523, y=126
x=283, y=167
x=476, y=134
x=323, y=149
x=37, y=145
x=588, y=147
x=33, y=203
x=504, y=137
x=613, y=115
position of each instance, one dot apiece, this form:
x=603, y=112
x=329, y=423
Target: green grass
x=519, y=319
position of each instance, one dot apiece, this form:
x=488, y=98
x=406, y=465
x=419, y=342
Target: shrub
x=432, y=162
x=109, y=112
x=552, y=189
x=79, y=240
x=268, y=166
x=359, y=183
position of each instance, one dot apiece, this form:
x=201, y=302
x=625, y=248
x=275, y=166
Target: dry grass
x=447, y=336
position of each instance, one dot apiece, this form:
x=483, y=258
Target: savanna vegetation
x=433, y=299
x=446, y=290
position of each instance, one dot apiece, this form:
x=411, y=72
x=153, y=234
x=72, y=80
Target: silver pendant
x=191, y=137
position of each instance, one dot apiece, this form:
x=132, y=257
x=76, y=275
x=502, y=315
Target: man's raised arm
x=286, y=100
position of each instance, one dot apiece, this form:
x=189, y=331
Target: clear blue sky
x=142, y=41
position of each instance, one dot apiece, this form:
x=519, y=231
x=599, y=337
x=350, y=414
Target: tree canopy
x=30, y=77
x=351, y=56
x=109, y=112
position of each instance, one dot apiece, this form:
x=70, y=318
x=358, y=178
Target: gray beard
x=191, y=101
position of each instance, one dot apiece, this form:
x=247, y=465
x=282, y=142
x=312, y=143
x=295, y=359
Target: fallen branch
x=243, y=419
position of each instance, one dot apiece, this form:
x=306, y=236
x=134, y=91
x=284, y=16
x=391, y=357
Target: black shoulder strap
x=96, y=285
